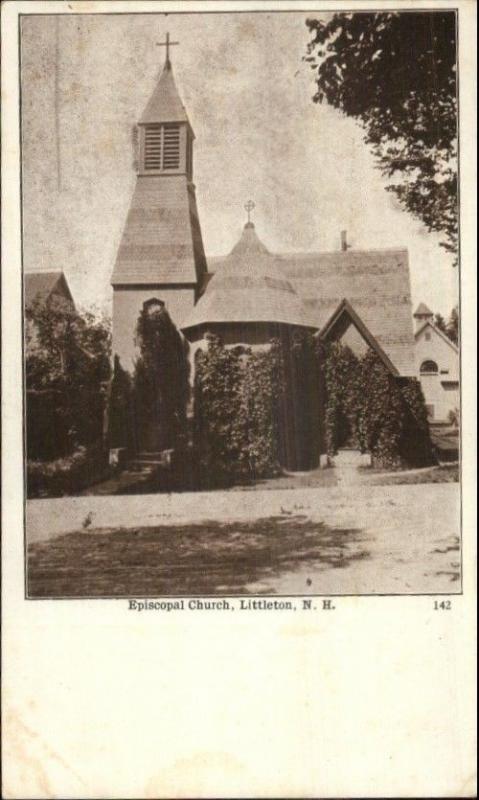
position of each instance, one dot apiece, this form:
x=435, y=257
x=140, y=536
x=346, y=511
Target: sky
x=85, y=82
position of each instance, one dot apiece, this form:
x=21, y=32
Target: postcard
x=238, y=353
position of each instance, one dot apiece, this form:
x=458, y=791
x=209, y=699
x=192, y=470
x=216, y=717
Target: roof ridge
x=43, y=272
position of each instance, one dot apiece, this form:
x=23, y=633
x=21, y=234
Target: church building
x=361, y=297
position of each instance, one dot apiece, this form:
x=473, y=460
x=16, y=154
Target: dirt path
x=346, y=467
x=360, y=539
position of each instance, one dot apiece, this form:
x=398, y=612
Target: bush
x=161, y=382
x=344, y=392
x=121, y=416
x=369, y=408
x=219, y=432
x=260, y=418
x=67, y=372
x=382, y=413
x=415, y=446
x=68, y=475
x=256, y=412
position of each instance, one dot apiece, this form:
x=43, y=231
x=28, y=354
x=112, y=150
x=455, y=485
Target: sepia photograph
x=241, y=304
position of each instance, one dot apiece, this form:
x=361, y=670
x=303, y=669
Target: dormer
x=165, y=135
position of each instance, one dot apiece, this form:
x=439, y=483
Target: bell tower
x=161, y=255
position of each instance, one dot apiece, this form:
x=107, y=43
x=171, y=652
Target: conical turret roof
x=249, y=245
x=423, y=311
x=249, y=289
x=165, y=103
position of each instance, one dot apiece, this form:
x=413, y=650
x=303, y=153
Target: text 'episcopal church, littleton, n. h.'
x=250, y=295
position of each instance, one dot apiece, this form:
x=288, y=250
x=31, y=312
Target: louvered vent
x=162, y=147
x=171, y=146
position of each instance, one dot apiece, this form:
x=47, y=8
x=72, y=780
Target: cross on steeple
x=167, y=44
x=248, y=207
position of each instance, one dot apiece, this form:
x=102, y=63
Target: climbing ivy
x=160, y=382
x=256, y=412
x=369, y=408
x=344, y=391
x=218, y=414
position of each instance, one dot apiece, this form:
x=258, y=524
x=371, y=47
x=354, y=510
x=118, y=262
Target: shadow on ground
x=204, y=559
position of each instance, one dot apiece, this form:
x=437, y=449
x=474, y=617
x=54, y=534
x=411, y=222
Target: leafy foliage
x=368, y=408
x=260, y=414
x=256, y=412
x=451, y=327
x=68, y=474
x=219, y=432
x=395, y=74
x=161, y=386
x=382, y=413
x=67, y=371
x=121, y=417
x=344, y=398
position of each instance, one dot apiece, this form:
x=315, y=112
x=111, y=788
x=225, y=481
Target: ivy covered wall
x=369, y=408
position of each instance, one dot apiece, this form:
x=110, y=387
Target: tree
x=67, y=372
x=453, y=325
x=161, y=381
x=440, y=323
x=395, y=74
x=121, y=421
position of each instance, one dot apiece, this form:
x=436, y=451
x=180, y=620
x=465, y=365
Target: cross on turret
x=167, y=44
x=248, y=207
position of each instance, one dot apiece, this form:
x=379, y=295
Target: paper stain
x=22, y=741
x=197, y=773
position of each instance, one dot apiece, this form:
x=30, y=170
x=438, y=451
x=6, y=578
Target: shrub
x=161, y=382
x=67, y=371
x=121, y=418
x=369, y=408
x=415, y=446
x=256, y=412
x=68, y=475
x=260, y=420
x=343, y=389
x=382, y=412
x=219, y=433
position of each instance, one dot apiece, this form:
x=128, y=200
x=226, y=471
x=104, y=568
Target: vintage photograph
x=241, y=304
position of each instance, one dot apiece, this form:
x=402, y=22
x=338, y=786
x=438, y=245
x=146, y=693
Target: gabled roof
x=345, y=313
x=423, y=311
x=41, y=285
x=428, y=324
x=165, y=103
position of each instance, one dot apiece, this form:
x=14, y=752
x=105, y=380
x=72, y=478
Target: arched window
x=429, y=368
x=153, y=305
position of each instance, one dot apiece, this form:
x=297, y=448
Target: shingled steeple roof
x=165, y=103
x=423, y=311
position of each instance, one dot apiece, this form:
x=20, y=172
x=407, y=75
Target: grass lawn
x=446, y=473
x=207, y=558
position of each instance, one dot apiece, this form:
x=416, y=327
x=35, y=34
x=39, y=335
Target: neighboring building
x=437, y=359
x=47, y=287
x=250, y=295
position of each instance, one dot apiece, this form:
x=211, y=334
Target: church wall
x=127, y=305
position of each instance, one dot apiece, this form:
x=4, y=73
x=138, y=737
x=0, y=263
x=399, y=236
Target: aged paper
x=261, y=583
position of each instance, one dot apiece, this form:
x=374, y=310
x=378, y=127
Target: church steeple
x=165, y=133
x=160, y=257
